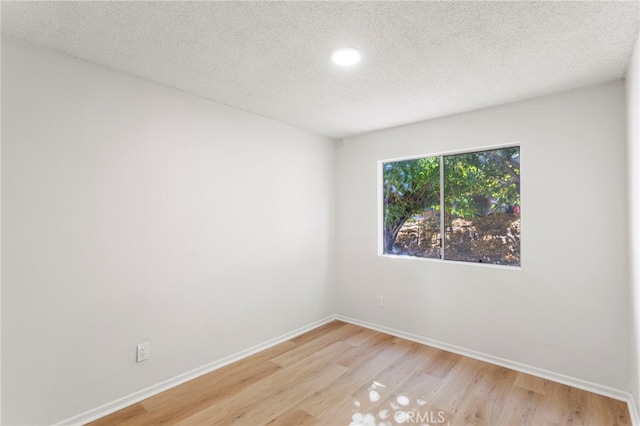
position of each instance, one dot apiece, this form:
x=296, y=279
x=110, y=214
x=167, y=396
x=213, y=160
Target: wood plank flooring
x=341, y=374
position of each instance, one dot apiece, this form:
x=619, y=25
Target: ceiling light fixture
x=346, y=56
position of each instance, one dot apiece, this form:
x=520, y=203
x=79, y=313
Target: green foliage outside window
x=481, y=206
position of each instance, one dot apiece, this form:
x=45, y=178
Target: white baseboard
x=135, y=397
x=534, y=371
x=633, y=411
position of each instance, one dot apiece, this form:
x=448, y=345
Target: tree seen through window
x=481, y=205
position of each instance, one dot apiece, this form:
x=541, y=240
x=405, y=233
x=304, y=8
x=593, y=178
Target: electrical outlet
x=379, y=301
x=143, y=352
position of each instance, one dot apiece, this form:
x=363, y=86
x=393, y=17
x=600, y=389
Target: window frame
x=440, y=155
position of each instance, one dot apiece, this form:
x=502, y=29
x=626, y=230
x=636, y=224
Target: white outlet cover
x=143, y=352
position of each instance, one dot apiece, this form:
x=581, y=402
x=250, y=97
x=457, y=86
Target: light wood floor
x=341, y=374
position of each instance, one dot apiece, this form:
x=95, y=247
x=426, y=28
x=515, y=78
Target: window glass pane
x=411, y=202
x=482, y=206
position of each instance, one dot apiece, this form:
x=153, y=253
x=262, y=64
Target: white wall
x=566, y=310
x=133, y=211
x=0, y=240
x=633, y=112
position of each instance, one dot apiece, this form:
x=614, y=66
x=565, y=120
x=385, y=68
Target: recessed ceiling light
x=346, y=56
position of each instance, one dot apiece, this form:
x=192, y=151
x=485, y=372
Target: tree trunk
x=390, y=235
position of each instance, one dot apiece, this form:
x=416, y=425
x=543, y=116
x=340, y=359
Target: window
x=471, y=198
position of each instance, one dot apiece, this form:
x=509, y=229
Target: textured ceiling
x=420, y=59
